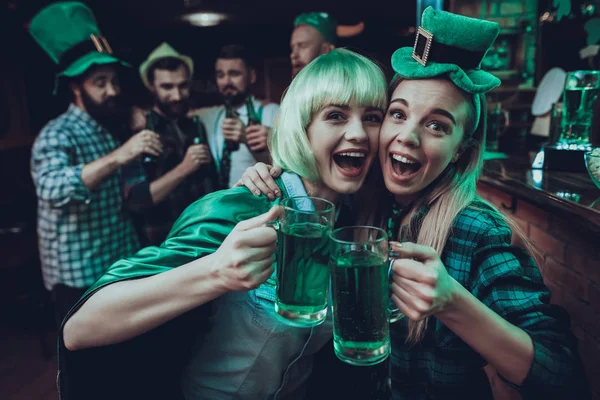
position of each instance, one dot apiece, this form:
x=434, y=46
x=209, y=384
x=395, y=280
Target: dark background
x=134, y=28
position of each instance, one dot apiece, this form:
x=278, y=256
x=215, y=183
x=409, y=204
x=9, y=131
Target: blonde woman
x=471, y=298
x=220, y=250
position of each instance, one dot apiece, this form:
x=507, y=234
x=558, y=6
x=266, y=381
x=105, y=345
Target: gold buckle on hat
x=101, y=44
x=422, y=54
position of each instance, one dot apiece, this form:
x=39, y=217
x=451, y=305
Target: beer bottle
x=198, y=140
x=253, y=118
x=229, y=113
x=148, y=158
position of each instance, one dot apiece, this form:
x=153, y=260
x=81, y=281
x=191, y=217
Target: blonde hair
x=340, y=77
x=449, y=194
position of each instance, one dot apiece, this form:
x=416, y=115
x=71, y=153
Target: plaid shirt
x=479, y=255
x=81, y=231
x=154, y=221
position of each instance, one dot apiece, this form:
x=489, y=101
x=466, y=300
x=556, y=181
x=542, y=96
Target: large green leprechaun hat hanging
x=453, y=46
x=68, y=32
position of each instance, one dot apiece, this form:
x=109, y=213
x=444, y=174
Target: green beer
x=581, y=91
x=360, y=293
x=302, y=272
x=578, y=114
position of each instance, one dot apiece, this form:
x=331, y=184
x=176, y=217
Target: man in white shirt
x=235, y=144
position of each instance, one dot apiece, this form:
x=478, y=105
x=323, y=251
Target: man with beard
x=76, y=162
x=235, y=143
x=314, y=34
x=159, y=189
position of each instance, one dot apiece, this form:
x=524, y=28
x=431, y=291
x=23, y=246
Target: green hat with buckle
x=164, y=50
x=453, y=46
x=68, y=32
x=322, y=22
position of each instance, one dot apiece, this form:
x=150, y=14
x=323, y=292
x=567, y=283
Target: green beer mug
x=302, y=274
x=360, y=264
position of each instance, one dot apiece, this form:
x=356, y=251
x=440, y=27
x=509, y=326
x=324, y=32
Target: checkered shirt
x=479, y=255
x=81, y=232
x=154, y=221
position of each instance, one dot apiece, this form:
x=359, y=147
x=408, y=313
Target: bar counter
x=566, y=194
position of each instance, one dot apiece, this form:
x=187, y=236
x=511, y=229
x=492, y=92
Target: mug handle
x=274, y=224
x=277, y=226
x=395, y=314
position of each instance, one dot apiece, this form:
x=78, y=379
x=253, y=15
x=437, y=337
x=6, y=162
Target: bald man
x=314, y=34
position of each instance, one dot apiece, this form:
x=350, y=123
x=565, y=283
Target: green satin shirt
x=198, y=232
x=252, y=354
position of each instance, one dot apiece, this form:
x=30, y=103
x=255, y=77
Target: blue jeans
x=250, y=354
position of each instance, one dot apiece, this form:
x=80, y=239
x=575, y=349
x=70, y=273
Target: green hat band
x=445, y=54
x=94, y=44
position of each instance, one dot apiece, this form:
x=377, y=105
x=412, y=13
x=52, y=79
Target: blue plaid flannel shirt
x=81, y=232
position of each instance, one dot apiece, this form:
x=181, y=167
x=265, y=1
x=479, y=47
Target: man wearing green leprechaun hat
x=158, y=189
x=76, y=162
x=314, y=34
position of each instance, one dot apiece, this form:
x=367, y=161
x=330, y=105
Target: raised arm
x=161, y=283
x=60, y=181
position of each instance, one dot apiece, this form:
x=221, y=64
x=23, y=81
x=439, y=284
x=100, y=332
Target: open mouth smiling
x=404, y=166
x=352, y=162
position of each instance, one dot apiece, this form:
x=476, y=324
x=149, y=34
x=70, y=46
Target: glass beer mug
x=360, y=267
x=301, y=272
x=581, y=91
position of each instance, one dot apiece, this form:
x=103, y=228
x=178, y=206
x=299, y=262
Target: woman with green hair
x=220, y=250
x=472, y=299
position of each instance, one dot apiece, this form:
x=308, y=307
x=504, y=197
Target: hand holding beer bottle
x=144, y=121
x=196, y=156
x=256, y=133
x=145, y=142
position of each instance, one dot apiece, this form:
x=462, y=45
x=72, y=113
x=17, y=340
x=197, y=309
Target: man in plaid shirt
x=75, y=163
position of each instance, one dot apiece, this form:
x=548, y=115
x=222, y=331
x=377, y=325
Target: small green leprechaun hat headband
x=450, y=45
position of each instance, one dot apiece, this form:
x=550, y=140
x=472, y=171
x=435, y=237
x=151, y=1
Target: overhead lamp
x=205, y=18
